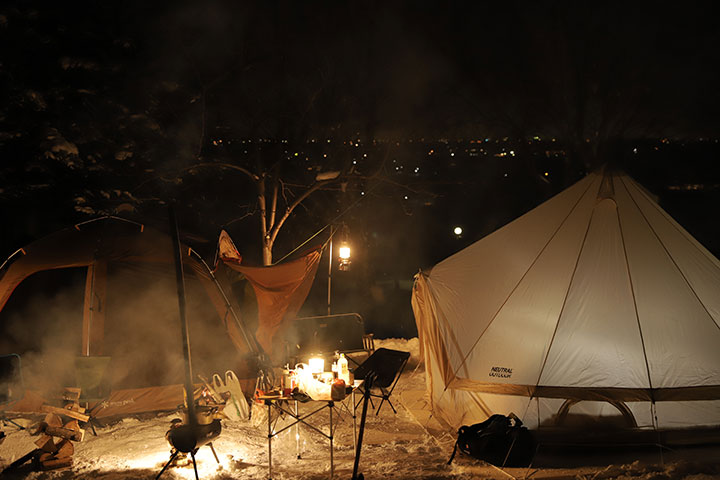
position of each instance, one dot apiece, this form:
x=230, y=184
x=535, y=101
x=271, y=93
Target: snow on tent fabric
x=595, y=302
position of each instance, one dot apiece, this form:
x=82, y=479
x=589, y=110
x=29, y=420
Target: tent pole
x=90, y=304
x=228, y=306
x=189, y=398
x=19, y=250
x=330, y=254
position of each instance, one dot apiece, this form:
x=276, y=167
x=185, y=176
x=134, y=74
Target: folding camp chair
x=91, y=375
x=386, y=365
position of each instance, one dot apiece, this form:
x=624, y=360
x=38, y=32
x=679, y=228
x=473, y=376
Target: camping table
x=276, y=402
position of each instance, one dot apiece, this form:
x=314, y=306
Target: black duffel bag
x=500, y=440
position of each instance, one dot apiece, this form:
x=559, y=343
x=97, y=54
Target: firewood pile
x=56, y=433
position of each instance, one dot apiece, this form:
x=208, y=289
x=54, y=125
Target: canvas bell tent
x=596, y=305
x=105, y=292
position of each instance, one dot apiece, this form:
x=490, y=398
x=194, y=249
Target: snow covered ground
x=396, y=446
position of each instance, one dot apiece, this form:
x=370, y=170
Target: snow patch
x=411, y=345
x=68, y=63
x=58, y=148
x=123, y=155
x=395, y=446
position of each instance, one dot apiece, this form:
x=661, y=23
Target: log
x=65, y=448
x=71, y=394
x=65, y=433
x=73, y=425
x=55, y=463
x=53, y=420
x=68, y=413
x=37, y=428
x=20, y=461
x=44, y=457
x=46, y=444
x=75, y=407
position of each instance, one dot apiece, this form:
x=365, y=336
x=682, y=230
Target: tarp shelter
x=595, y=304
x=280, y=290
x=130, y=311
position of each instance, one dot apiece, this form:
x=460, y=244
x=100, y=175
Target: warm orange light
x=316, y=364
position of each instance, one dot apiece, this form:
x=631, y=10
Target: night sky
x=385, y=68
x=107, y=107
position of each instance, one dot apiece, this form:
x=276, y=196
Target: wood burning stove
x=188, y=436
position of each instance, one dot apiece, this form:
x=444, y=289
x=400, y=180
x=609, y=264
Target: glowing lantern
x=344, y=256
x=344, y=251
x=317, y=364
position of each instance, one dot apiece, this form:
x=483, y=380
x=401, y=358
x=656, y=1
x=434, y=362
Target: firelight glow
x=344, y=252
x=317, y=364
x=206, y=464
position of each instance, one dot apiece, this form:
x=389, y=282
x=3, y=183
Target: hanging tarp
x=280, y=290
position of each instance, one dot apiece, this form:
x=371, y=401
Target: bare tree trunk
x=267, y=252
x=264, y=232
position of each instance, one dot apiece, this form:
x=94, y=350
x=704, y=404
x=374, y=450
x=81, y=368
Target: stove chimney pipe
x=180, y=277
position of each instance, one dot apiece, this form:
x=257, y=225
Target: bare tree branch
x=315, y=187
x=254, y=177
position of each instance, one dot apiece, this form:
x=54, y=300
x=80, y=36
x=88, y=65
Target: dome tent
x=127, y=310
x=595, y=303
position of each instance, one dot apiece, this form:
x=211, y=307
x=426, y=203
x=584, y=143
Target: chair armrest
x=368, y=342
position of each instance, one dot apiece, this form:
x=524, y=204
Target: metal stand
x=329, y=404
x=6, y=420
x=172, y=458
x=177, y=452
x=366, y=397
x=214, y=453
x=297, y=431
x=192, y=455
x=354, y=417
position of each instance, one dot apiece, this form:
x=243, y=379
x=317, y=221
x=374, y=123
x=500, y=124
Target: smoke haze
x=142, y=329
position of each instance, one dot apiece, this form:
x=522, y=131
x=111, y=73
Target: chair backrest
x=11, y=381
x=326, y=334
x=385, y=363
x=91, y=375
